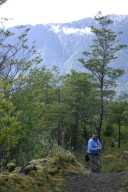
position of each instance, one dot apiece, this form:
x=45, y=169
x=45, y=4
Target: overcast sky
x=47, y=11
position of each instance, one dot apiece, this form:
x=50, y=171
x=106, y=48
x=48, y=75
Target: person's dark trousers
x=95, y=163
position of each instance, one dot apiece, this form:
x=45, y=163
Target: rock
x=11, y=166
x=28, y=168
x=39, y=162
x=124, y=155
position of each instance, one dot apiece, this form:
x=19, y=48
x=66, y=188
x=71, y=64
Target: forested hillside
x=42, y=110
x=40, y=107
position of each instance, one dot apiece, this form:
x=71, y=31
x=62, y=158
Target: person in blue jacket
x=93, y=149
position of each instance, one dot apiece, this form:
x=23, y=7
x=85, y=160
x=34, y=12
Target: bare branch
x=2, y=1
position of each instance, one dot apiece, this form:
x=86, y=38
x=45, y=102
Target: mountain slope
x=62, y=45
x=58, y=43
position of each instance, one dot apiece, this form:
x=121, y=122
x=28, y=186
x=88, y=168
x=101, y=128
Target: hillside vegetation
x=45, y=174
x=41, y=109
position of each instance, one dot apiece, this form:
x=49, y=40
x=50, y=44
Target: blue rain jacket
x=94, y=146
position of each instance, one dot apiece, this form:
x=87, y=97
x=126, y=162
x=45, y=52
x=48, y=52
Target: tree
x=80, y=99
x=98, y=61
x=9, y=124
x=34, y=99
x=16, y=56
x=118, y=111
x=16, y=62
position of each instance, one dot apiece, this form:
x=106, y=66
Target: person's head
x=94, y=136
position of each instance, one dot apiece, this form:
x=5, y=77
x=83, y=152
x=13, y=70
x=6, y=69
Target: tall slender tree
x=97, y=61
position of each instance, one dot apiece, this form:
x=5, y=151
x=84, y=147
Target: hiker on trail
x=93, y=149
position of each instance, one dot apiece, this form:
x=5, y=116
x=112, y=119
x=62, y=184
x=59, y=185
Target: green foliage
x=9, y=123
x=81, y=99
x=40, y=109
x=117, y=115
x=109, y=130
x=98, y=62
x=112, y=161
x=13, y=69
x=49, y=105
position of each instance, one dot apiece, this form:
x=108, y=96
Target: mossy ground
x=113, y=159
x=52, y=170
x=49, y=176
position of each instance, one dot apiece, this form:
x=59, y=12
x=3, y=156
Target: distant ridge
x=61, y=45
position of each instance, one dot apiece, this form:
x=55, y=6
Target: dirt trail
x=110, y=182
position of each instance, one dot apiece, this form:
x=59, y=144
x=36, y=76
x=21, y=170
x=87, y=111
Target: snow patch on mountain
x=80, y=31
x=55, y=28
x=71, y=30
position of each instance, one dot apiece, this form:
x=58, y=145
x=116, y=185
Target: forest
x=42, y=110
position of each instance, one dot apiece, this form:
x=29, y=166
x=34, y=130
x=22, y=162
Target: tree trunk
x=46, y=94
x=119, y=134
x=60, y=130
x=99, y=129
x=60, y=133
x=75, y=133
